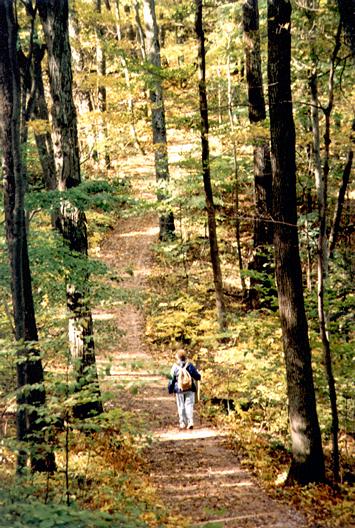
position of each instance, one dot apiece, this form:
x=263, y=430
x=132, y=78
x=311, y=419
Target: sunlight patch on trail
x=103, y=316
x=127, y=375
x=212, y=474
x=252, y=516
x=186, y=434
x=157, y=398
x=151, y=231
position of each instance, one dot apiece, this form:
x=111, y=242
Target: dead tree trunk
x=204, y=128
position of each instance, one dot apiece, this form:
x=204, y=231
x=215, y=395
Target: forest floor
x=194, y=472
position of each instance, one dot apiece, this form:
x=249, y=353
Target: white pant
x=185, y=405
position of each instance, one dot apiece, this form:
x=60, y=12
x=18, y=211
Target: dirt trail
x=194, y=471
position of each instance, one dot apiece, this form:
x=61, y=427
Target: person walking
x=183, y=383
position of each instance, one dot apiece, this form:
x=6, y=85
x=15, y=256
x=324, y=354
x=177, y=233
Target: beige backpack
x=184, y=379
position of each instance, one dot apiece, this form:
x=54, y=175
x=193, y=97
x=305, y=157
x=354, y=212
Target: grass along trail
x=194, y=472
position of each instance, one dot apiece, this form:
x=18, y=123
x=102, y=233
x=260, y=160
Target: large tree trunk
x=166, y=219
x=30, y=379
x=204, y=127
x=307, y=455
x=71, y=221
x=262, y=166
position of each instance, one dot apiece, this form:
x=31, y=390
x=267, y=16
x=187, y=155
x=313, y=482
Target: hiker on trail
x=183, y=383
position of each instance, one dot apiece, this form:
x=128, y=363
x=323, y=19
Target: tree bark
x=104, y=156
x=30, y=378
x=307, y=454
x=166, y=219
x=322, y=267
x=141, y=41
x=236, y=175
x=123, y=60
x=83, y=95
x=204, y=128
x=263, y=195
x=323, y=256
x=140, y=32
x=40, y=111
x=347, y=15
x=256, y=102
x=262, y=164
x=71, y=221
x=333, y=237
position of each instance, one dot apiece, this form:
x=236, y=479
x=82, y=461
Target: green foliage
x=20, y=509
x=97, y=194
x=178, y=321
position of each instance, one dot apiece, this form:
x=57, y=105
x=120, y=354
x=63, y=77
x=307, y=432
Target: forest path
x=194, y=472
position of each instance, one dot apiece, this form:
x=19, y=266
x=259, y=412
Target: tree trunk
x=322, y=268
x=140, y=32
x=263, y=196
x=83, y=95
x=321, y=178
x=256, y=102
x=204, y=127
x=236, y=175
x=307, y=454
x=30, y=378
x=85, y=100
x=141, y=42
x=130, y=104
x=104, y=157
x=166, y=219
x=262, y=165
x=339, y=205
x=40, y=111
x=347, y=15
x=71, y=221
x=308, y=243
